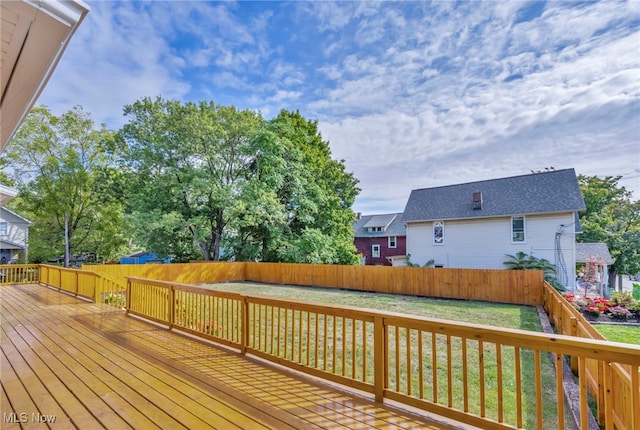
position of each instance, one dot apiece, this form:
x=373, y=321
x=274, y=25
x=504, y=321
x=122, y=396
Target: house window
x=438, y=233
x=375, y=251
x=375, y=229
x=393, y=241
x=4, y=228
x=517, y=229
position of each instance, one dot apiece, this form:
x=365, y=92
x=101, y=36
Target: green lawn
x=499, y=315
x=495, y=314
x=620, y=333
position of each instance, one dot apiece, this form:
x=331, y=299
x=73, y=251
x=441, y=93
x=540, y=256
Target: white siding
x=483, y=243
x=17, y=229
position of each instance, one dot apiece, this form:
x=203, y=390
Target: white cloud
x=410, y=94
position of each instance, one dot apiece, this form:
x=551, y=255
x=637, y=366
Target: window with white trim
x=4, y=228
x=375, y=251
x=393, y=241
x=438, y=233
x=517, y=229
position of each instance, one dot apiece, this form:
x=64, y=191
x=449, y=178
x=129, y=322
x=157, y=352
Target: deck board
x=92, y=366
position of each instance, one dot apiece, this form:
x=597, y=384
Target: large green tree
x=612, y=217
x=210, y=178
x=189, y=162
x=298, y=206
x=60, y=166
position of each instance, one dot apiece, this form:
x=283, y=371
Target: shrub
x=593, y=310
x=636, y=291
x=619, y=312
x=623, y=299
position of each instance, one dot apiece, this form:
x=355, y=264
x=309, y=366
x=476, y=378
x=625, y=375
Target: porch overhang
x=35, y=34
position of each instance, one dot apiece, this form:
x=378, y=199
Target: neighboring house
x=597, y=254
x=476, y=224
x=14, y=236
x=381, y=239
x=143, y=257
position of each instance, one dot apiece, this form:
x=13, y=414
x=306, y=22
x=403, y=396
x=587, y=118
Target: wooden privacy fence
x=493, y=378
x=18, y=274
x=523, y=287
x=618, y=405
x=184, y=273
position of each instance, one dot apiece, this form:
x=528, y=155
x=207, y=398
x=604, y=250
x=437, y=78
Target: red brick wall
x=363, y=244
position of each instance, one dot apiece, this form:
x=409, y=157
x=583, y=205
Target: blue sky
x=409, y=94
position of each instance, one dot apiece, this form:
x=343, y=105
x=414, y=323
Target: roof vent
x=477, y=200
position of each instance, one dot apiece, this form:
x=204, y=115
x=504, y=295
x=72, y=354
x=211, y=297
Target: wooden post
x=128, y=295
x=608, y=397
x=379, y=358
x=601, y=391
x=574, y=332
x=244, y=340
x=172, y=307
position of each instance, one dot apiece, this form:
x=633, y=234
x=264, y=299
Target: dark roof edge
x=494, y=179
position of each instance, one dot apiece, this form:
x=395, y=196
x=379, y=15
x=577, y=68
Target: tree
x=58, y=164
x=297, y=207
x=189, y=163
x=613, y=218
x=212, y=178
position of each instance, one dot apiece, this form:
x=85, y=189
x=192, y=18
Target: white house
x=14, y=235
x=476, y=224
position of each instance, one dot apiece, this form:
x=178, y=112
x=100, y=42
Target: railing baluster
x=483, y=411
x=538, y=379
x=465, y=377
x=449, y=373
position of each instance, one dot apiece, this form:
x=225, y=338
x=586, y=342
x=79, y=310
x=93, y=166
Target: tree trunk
x=613, y=274
x=66, y=240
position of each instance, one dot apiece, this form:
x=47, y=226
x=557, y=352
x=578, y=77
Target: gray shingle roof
x=546, y=192
x=395, y=226
x=380, y=220
x=584, y=251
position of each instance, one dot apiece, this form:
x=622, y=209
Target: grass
x=620, y=333
x=494, y=314
x=499, y=315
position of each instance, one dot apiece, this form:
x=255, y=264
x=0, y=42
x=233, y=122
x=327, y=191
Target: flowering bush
x=593, y=310
x=616, y=308
x=619, y=312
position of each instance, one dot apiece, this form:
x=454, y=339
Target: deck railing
x=613, y=386
x=471, y=373
x=18, y=274
x=99, y=287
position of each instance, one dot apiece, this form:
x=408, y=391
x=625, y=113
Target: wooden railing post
x=244, y=341
x=608, y=397
x=77, y=283
x=128, y=295
x=379, y=358
x=602, y=365
x=574, y=332
x=172, y=307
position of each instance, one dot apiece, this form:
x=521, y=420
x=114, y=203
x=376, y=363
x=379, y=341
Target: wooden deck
x=90, y=366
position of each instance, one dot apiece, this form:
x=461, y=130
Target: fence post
x=608, y=396
x=574, y=333
x=244, y=341
x=600, y=400
x=379, y=358
x=172, y=307
x=128, y=305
